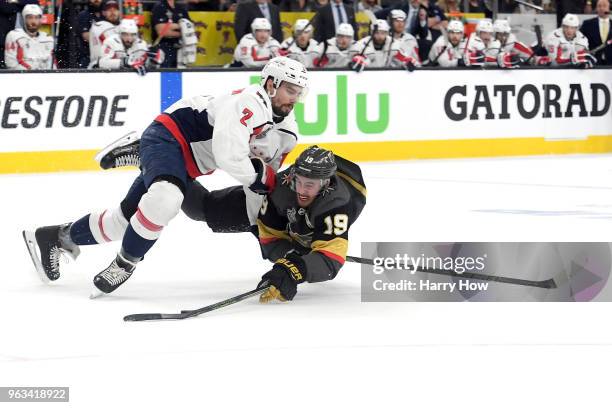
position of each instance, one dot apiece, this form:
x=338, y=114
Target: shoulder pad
x=257, y=93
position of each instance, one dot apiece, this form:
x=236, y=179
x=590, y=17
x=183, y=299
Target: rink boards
x=57, y=121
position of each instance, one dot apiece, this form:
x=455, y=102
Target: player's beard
x=282, y=110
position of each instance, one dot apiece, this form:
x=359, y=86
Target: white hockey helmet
x=380, y=25
x=288, y=70
x=31, y=10
x=455, y=26
x=345, y=29
x=128, y=26
x=301, y=26
x=397, y=14
x=485, y=25
x=570, y=20
x=261, y=24
x=502, y=26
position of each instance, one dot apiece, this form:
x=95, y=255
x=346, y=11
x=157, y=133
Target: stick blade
x=140, y=317
x=549, y=284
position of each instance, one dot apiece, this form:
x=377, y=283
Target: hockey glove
x=156, y=57
x=321, y=62
x=137, y=61
x=583, y=59
x=509, y=60
x=265, y=178
x=543, y=60
x=474, y=58
x=358, y=63
x=407, y=61
x=283, y=279
x=283, y=52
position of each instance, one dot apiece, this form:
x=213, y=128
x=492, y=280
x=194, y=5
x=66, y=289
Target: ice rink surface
x=326, y=348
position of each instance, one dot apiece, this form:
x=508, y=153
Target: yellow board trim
x=461, y=148
x=76, y=160
x=47, y=162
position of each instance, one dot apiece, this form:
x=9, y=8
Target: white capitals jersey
x=98, y=33
x=306, y=57
x=490, y=50
x=272, y=146
x=224, y=132
x=561, y=50
x=113, y=52
x=408, y=47
x=514, y=46
x=330, y=56
x=377, y=58
x=445, y=54
x=252, y=54
x=23, y=52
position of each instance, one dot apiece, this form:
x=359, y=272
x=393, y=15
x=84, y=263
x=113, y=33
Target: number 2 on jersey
x=338, y=226
x=246, y=116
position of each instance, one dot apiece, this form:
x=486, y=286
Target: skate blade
x=123, y=140
x=96, y=293
x=30, y=241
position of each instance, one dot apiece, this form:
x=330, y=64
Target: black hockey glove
x=283, y=279
x=265, y=180
x=358, y=63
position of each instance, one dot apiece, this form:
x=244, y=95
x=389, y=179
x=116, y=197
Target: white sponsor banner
x=70, y=111
x=434, y=105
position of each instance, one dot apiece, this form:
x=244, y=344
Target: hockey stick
x=544, y=284
x=139, y=317
x=297, y=33
x=353, y=66
x=161, y=35
x=533, y=6
x=56, y=31
x=323, y=55
x=538, y=31
x=600, y=47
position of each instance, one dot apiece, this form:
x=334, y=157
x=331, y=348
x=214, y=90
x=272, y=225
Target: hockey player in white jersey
x=567, y=45
x=448, y=51
x=335, y=52
x=101, y=30
x=29, y=48
x=376, y=50
x=482, y=47
x=301, y=47
x=127, y=50
x=194, y=137
x=513, y=49
x=408, y=55
x=258, y=47
x=508, y=41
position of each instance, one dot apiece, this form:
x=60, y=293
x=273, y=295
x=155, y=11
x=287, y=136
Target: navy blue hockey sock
x=80, y=233
x=134, y=245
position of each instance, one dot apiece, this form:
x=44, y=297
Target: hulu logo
x=319, y=126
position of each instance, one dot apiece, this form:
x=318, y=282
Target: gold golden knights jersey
x=318, y=233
